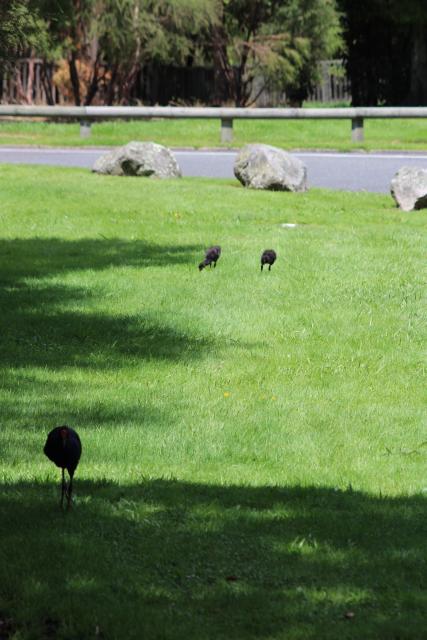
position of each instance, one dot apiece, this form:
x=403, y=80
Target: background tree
x=281, y=41
x=104, y=43
x=22, y=32
x=412, y=15
x=20, y=28
x=386, y=51
x=73, y=40
x=134, y=33
x=316, y=24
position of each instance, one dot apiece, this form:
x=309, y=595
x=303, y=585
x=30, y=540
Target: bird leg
x=262, y=266
x=63, y=488
x=269, y=267
x=69, y=492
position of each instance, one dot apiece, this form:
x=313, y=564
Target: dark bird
x=268, y=257
x=211, y=256
x=64, y=448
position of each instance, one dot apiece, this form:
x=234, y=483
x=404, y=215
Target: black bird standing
x=211, y=256
x=268, y=257
x=64, y=448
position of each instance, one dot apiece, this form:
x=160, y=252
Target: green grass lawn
x=289, y=134
x=254, y=445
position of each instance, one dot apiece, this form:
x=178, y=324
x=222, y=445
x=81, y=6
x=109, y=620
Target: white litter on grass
x=289, y=225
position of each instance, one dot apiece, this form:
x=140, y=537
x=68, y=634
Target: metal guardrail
x=86, y=115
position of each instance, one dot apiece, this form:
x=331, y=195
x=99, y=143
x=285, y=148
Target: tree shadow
x=41, y=257
x=77, y=407
x=172, y=559
x=36, y=331
x=90, y=340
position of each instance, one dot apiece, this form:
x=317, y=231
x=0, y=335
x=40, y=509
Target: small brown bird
x=64, y=448
x=211, y=256
x=268, y=257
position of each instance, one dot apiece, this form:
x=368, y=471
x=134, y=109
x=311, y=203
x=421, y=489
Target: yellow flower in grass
x=226, y=394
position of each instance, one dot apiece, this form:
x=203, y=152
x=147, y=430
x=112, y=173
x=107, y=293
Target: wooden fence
x=32, y=82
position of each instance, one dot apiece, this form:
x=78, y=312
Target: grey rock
x=139, y=159
x=409, y=188
x=260, y=166
x=105, y=164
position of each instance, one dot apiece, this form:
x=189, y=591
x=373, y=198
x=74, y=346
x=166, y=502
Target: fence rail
x=86, y=115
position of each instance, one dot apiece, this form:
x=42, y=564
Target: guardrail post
x=226, y=129
x=85, y=128
x=357, y=130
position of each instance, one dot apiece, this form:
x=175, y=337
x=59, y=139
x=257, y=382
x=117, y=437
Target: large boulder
x=139, y=159
x=409, y=188
x=261, y=166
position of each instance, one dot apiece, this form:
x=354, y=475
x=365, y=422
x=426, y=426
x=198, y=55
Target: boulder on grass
x=139, y=159
x=260, y=166
x=409, y=188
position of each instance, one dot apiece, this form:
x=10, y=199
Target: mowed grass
x=254, y=445
x=289, y=134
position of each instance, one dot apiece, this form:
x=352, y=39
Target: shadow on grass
x=170, y=559
x=76, y=406
x=90, y=340
x=35, y=331
x=41, y=257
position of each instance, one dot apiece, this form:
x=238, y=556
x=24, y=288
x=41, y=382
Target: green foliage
x=283, y=60
x=281, y=42
x=155, y=31
x=316, y=24
x=241, y=51
x=106, y=42
x=315, y=20
x=21, y=28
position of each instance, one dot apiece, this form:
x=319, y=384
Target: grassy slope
x=289, y=134
x=267, y=427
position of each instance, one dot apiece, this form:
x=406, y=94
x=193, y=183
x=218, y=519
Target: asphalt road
x=347, y=171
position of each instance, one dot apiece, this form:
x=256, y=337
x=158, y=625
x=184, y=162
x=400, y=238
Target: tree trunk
x=47, y=83
x=93, y=60
x=30, y=79
x=20, y=93
x=74, y=77
x=223, y=72
x=94, y=83
x=111, y=89
x=130, y=77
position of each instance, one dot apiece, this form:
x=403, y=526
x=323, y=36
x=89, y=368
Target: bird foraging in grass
x=268, y=257
x=211, y=256
x=64, y=448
